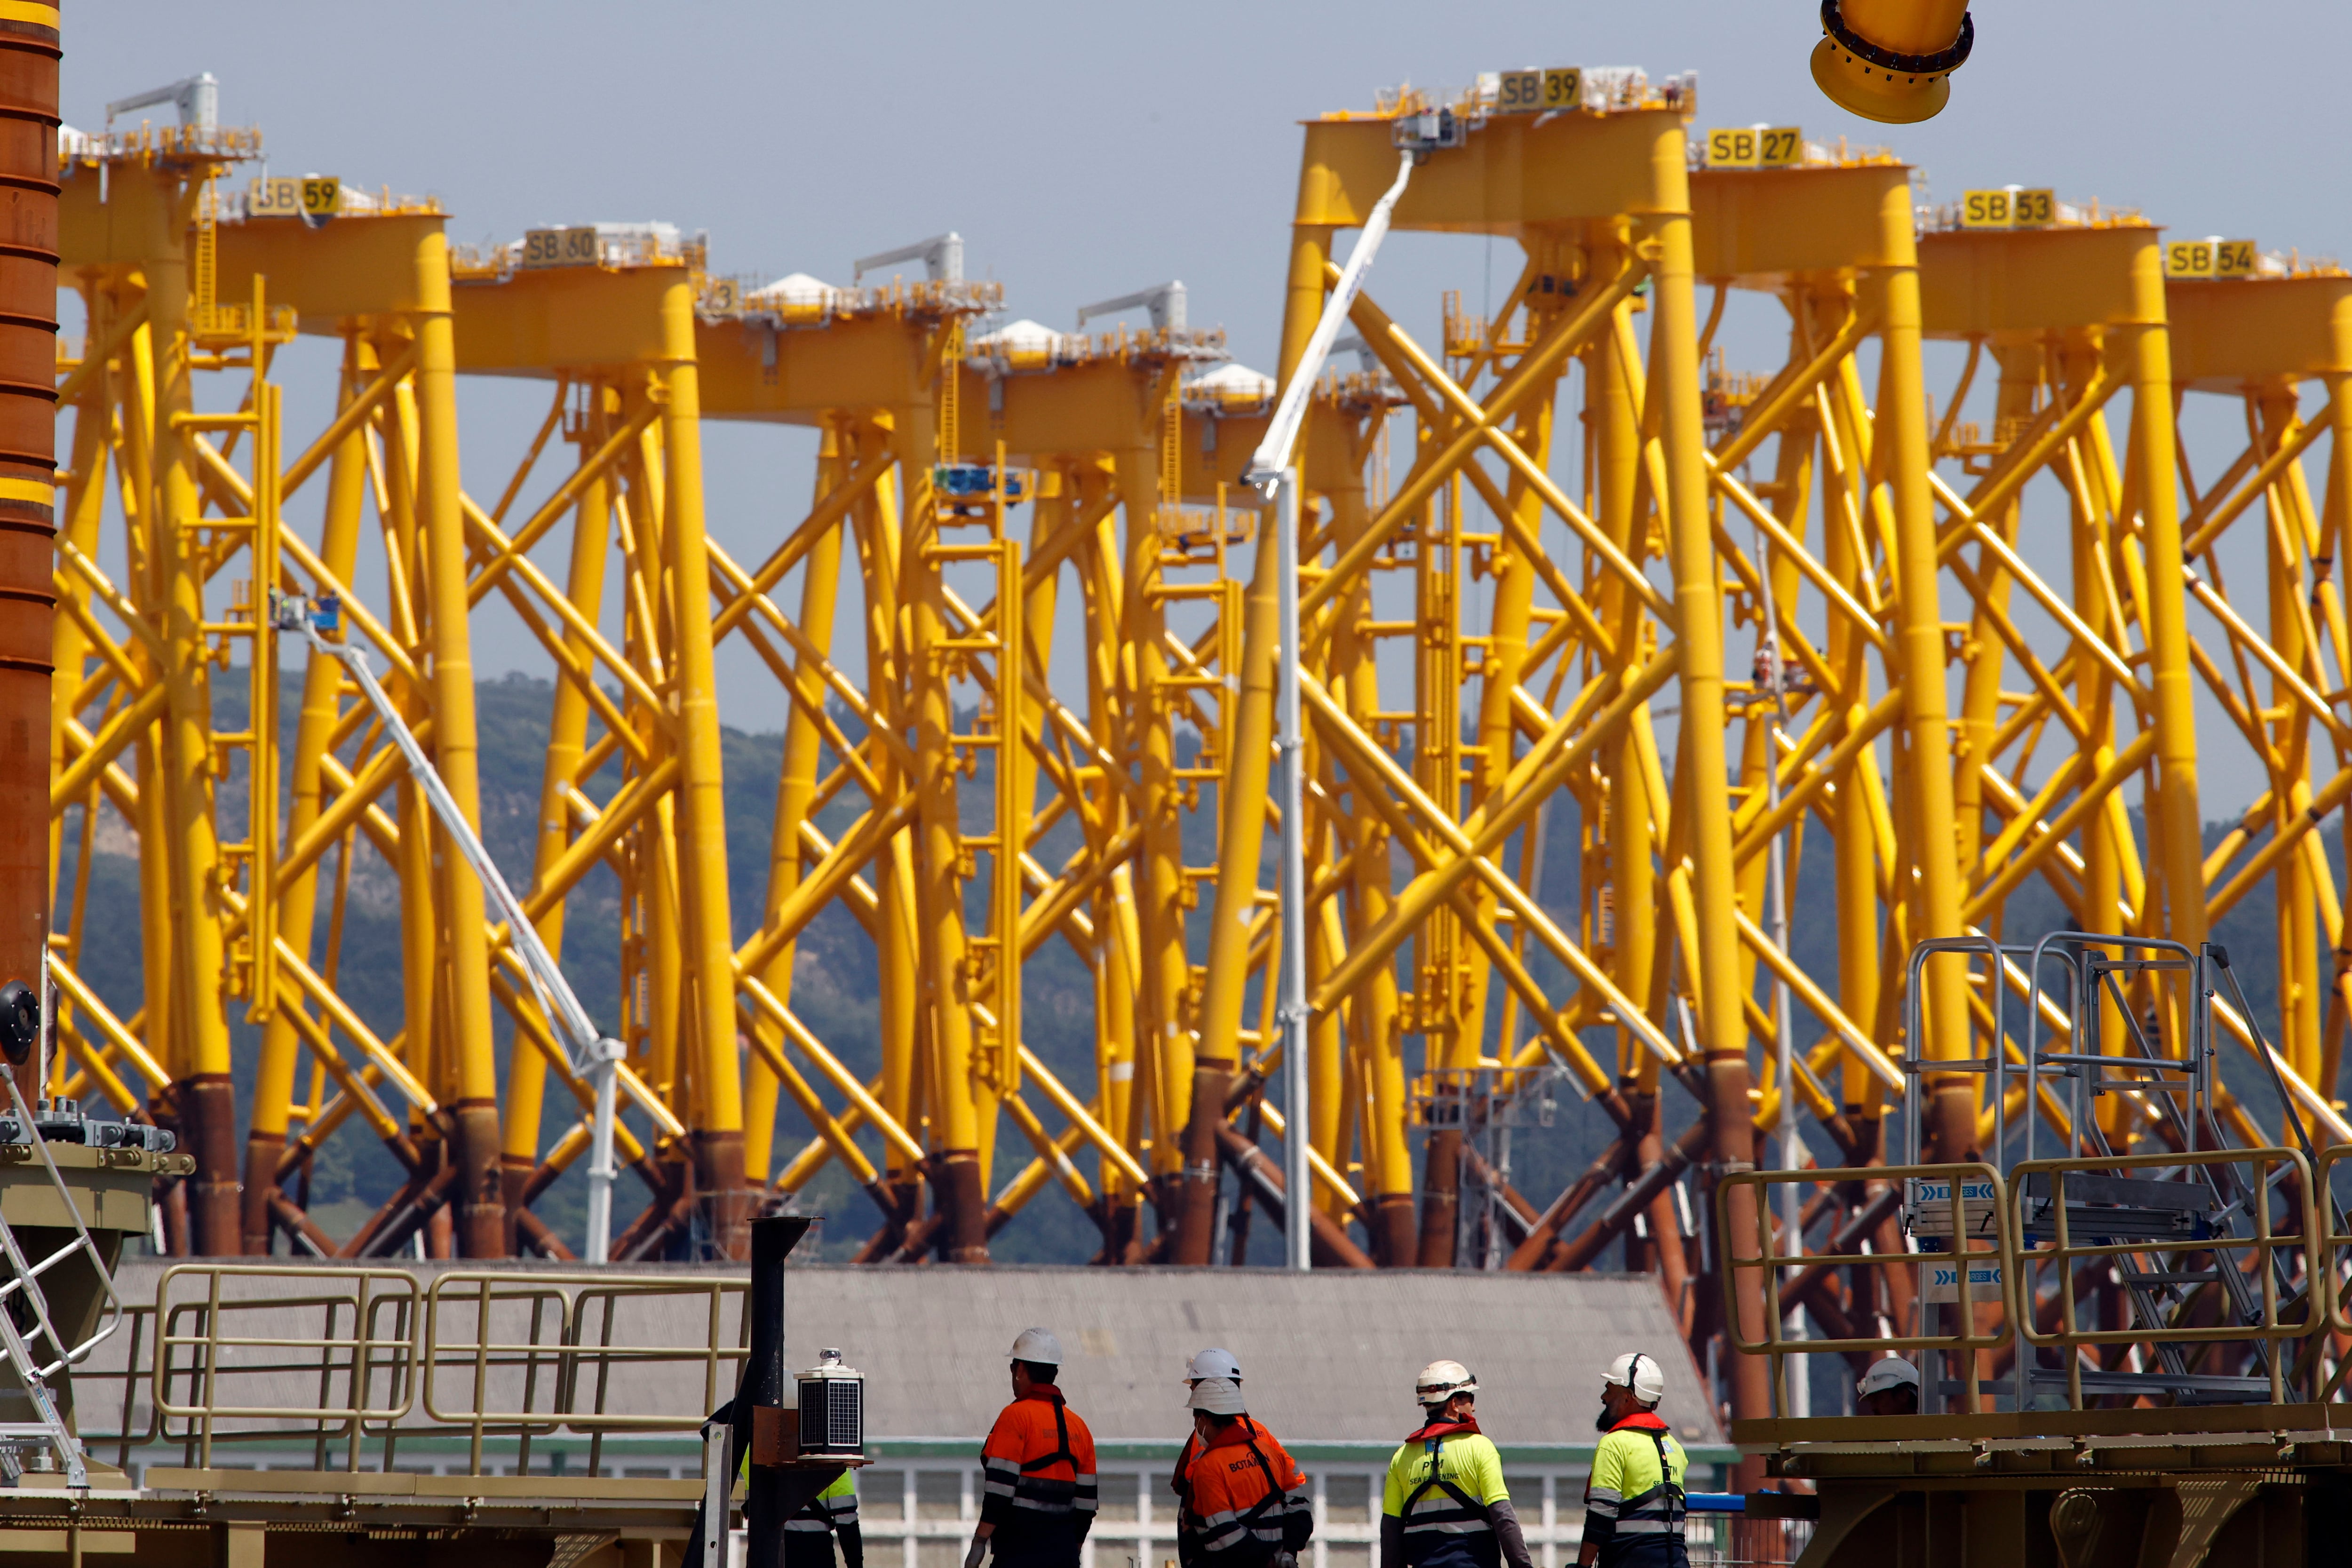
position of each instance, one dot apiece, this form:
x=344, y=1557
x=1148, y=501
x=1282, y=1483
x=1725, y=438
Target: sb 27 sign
x=1755, y=147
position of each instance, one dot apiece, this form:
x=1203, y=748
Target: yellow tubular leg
x=795, y=785
x=197, y=1022
x=1698, y=611
x=1902, y=436
x=701, y=804
x=567, y=731
x=2177, y=826
x=273, y=1086
x=480, y=1211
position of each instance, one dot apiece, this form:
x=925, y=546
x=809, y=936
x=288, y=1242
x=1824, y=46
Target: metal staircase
x=2207, y=1203
x=35, y=1349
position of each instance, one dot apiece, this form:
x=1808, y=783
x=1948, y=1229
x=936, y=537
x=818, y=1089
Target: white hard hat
x=1441, y=1381
x=1889, y=1372
x=1038, y=1346
x=1213, y=1363
x=1216, y=1395
x=1640, y=1373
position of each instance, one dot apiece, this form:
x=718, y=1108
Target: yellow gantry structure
x=1574, y=595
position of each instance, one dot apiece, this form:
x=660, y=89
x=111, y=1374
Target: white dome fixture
x=1024, y=345
x=1233, y=389
x=796, y=297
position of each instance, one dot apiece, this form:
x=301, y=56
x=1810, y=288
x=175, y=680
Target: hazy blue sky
x=1085, y=150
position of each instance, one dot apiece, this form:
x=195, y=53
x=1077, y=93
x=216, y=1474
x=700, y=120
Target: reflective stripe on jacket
x=832, y=1514
x=830, y=1508
x=1245, y=1500
x=1038, y=1463
x=1440, y=1489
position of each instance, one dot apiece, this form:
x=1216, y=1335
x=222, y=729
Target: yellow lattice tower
x=1827, y=238
x=219, y=906
x=1594, y=187
x=2069, y=303
x=609, y=314
x=2260, y=331
x=1073, y=426
x=375, y=273
x=1357, y=1105
x=866, y=367
x=1092, y=416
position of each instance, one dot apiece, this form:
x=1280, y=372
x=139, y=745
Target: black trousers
x=1038, y=1542
x=1644, y=1551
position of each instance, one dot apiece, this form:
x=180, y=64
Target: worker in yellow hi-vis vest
x=1633, y=1501
x=809, y=1534
x=1444, y=1504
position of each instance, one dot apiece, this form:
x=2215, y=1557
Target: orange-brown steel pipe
x=28, y=418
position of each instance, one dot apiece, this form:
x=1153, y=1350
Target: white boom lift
x=1271, y=472
x=595, y=1057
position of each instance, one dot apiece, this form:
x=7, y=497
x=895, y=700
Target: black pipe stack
x=768, y=1492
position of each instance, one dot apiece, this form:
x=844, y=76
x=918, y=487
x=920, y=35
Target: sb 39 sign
x=1539, y=91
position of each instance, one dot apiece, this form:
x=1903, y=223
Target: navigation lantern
x=833, y=1410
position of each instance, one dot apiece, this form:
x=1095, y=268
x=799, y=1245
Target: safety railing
x=524, y=1355
x=1967, y=1203
x=2336, y=1158
x=1714, y=1540
x=351, y=1362
x=227, y=1368
x=111, y=1406
x=2180, y=1249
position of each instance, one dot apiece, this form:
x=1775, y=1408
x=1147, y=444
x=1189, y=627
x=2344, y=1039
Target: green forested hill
x=834, y=975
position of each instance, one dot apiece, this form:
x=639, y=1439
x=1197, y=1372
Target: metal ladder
x=2155, y=1297
x=35, y=1350
x=2111, y=1208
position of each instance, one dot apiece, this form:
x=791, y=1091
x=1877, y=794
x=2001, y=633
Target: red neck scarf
x=1047, y=1392
x=1640, y=1421
x=1241, y=1431
x=1430, y=1430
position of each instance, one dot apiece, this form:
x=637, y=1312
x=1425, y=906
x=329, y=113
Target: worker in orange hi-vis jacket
x=1206, y=1364
x=1038, y=1468
x=1245, y=1500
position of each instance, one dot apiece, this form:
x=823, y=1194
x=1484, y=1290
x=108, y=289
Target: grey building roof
x=1326, y=1357
x=1329, y=1358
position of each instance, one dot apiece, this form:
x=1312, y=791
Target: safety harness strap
x=1437, y=1481
x=1061, y=1454
x=1275, y=1491
x=1660, y=1507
